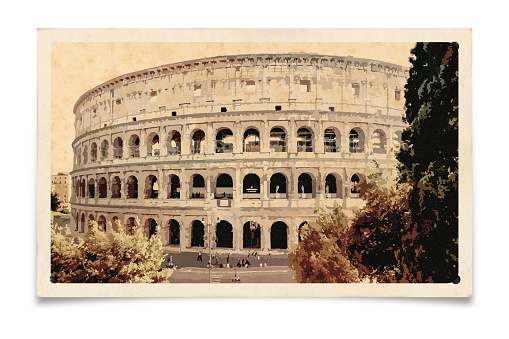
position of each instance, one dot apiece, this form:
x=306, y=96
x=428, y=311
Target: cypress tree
x=429, y=161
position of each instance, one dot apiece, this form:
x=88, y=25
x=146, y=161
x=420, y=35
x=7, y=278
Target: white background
x=24, y=315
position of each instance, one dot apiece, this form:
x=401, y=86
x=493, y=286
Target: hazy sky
x=78, y=67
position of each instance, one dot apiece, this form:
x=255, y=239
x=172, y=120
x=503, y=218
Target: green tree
x=55, y=203
x=429, y=160
x=321, y=255
x=375, y=239
x=107, y=257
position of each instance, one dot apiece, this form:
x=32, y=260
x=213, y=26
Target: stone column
x=163, y=185
x=292, y=137
x=237, y=186
x=238, y=147
x=345, y=143
x=210, y=140
x=185, y=140
x=143, y=143
x=265, y=138
x=319, y=138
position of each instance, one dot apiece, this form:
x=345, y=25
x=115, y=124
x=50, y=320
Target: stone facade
x=61, y=185
x=237, y=149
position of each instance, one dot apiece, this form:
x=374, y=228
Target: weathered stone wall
x=320, y=95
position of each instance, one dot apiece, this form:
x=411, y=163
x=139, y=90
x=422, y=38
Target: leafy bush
x=106, y=257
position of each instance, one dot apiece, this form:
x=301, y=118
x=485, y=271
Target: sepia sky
x=78, y=67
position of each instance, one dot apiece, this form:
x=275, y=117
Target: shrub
x=321, y=255
x=106, y=257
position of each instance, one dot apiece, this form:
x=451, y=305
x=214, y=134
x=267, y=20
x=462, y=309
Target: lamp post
x=210, y=248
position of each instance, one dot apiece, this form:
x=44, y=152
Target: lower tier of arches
x=226, y=231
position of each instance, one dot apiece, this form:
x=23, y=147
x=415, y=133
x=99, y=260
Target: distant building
x=61, y=185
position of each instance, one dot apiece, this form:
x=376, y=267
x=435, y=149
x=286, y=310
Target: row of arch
x=251, y=186
x=224, y=143
x=223, y=235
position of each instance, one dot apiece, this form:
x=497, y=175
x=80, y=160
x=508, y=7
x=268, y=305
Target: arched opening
x=304, y=140
x=300, y=228
x=331, y=140
x=224, y=234
x=174, y=232
x=91, y=217
x=333, y=186
x=114, y=223
x=82, y=224
x=102, y=188
x=91, y=188
x=356, y=140
x=132, y=187
x=252, y=140
x=354, y=183
x=224, y=141
x=82, y=188
x=101, y=221
x=278, y=235
x=174, y=189
x=104, y=149
x=76, y=187
x=150, y=227
x=129, y=227
x=93, y=152
x=134, y=146
x=224, y=187
x=174, y=142
x=251, y=235
x=118, y=149
x=116, y=188
x=153, y=145
x=151, y=187
x=196, y=142
x=251, y=186
x=379, y=142
x=85, y=155
x=305, y=186
x=197, y=233
x=278, y=186
x=278, y=140
x=198, y=188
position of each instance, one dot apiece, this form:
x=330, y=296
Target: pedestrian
x=200, y=258
x=228, y=259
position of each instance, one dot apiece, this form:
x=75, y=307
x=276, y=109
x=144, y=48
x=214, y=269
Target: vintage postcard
x=263, y=162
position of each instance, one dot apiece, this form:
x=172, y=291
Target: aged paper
x=72, y=62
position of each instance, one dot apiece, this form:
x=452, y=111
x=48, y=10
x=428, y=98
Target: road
x=272, y=274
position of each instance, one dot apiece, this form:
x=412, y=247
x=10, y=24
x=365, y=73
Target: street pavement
x=274, y=274
x=261, y=269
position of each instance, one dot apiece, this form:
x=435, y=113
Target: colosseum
x=233, y=153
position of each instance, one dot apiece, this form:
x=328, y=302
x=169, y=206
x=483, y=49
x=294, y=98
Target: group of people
x=242, y=262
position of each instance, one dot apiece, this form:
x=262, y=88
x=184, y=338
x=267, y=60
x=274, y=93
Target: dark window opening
x=251, y=235
x=278, y=236
x=197, y=233
x=174, y=232
x=224, y=234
